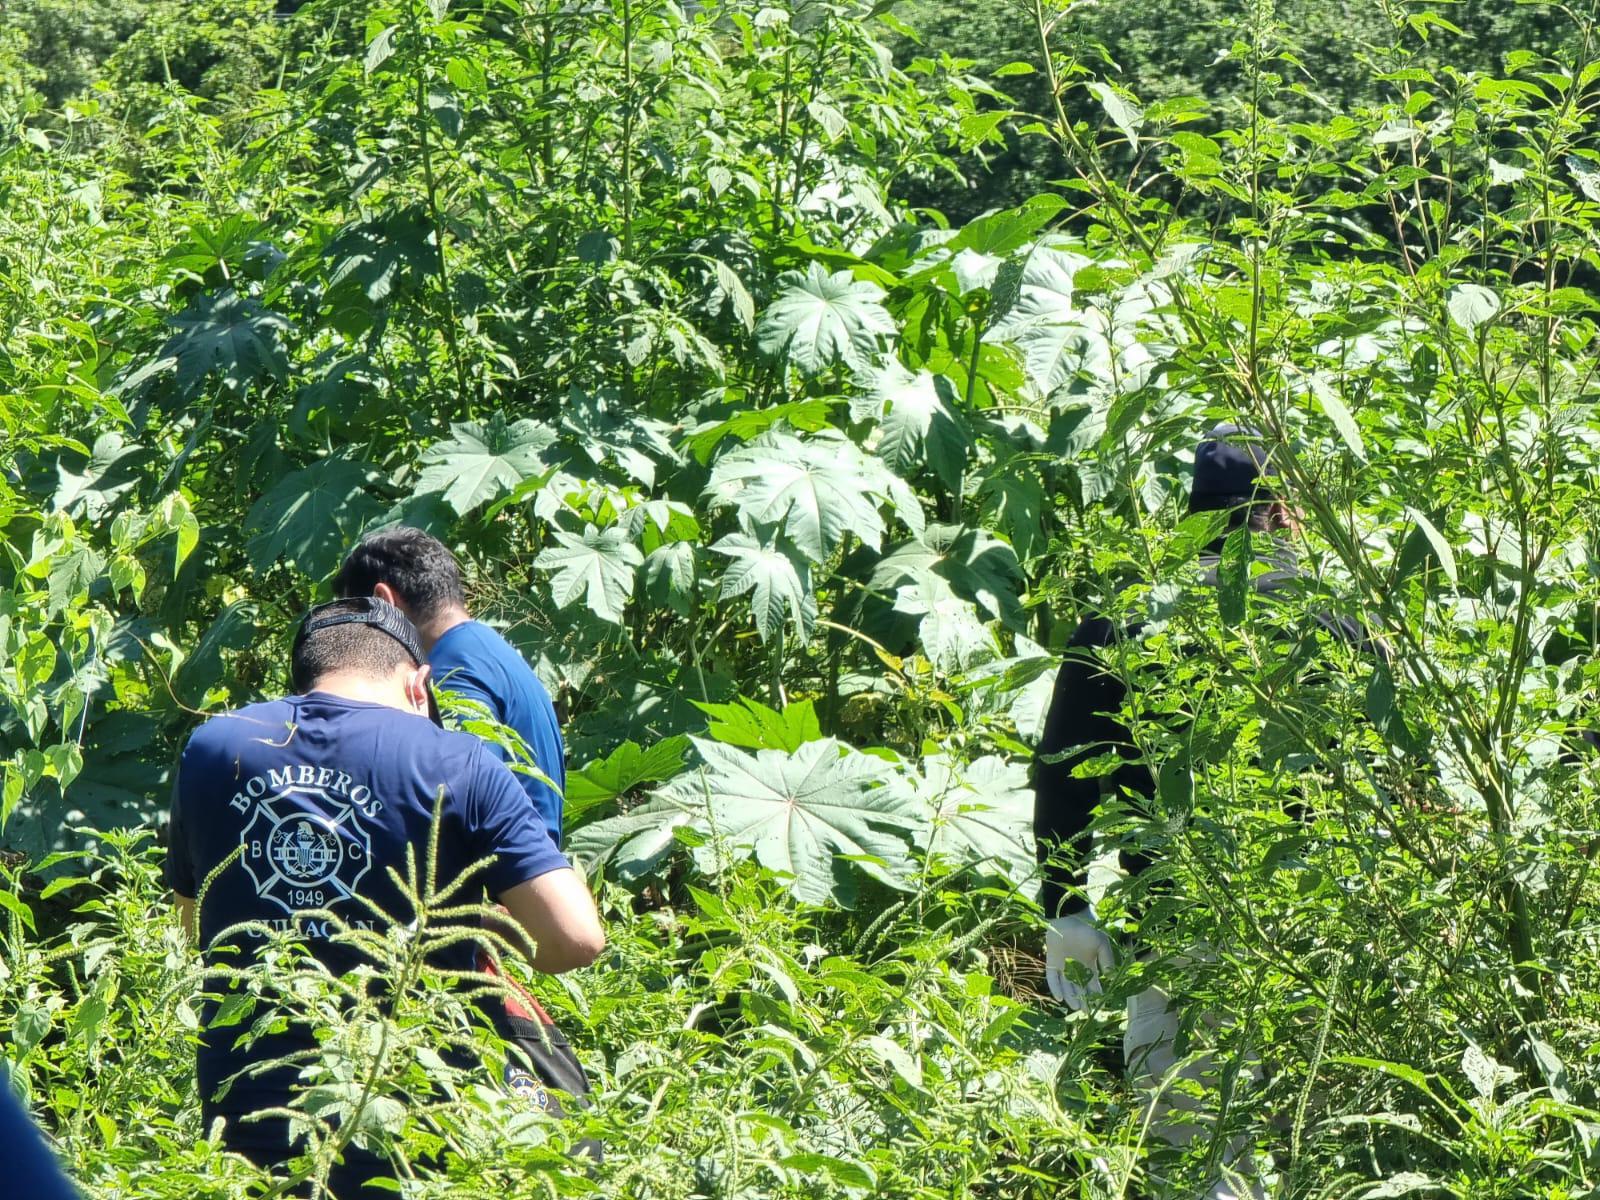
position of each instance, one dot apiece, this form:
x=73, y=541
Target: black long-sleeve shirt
x=1085, y=721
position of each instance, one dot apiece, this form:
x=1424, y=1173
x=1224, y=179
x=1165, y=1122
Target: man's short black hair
x=417, y=565
x=363, y=649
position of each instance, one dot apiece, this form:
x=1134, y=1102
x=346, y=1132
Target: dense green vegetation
x=793, y=488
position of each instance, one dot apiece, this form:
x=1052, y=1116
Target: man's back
x=318, y=796
x=476, y=662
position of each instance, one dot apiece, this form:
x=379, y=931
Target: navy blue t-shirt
x=31, y=1169
x=319, y=796
x=475, y=662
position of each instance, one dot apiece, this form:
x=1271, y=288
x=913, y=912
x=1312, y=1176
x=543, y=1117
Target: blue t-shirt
x=31, y=1169
x=318, y=796
x=475, y=662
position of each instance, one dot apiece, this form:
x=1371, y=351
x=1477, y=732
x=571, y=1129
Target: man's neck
x=349, y=685
x=442, y=623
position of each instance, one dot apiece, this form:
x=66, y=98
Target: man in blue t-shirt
x=416, y=573
x=315, y=798
x=31, y=1169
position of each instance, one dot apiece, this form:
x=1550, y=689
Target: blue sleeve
x=550, y=756
x=544, y=742
x=31, y=1169
x=502, y=826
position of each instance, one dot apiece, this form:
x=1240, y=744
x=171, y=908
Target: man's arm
x=186, y=915
x=178, y=871
x=548, y=903
x=557, y=914
x=460, y=681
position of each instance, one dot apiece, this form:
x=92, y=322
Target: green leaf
x=1441, y=548
x=807, y=415
x=981, y=813
x=482, y=462
x=820, y=319
x=312, y=516
x=1004, y=232
x=818, y=490
x=111, y=473
x=1471, y=304
x=978, y=566
x=892, y=1054
x=380, y=48
x=1124, y=113
x=738, y=296
x=620, y=772
x=952, y=633
x=838, y=1171
x=1233, y=578
x=798, y=813
x=228, y=333
x=669, y=577
x=599, y=566
x=71, y=575
x=916, y=422
x=13, y=904
x=753, y=726
x=779, y=587
x=1343, y=421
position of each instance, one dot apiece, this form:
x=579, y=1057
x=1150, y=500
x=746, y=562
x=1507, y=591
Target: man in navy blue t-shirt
x=316, y=797
x=416, y=573
x=31, y=1169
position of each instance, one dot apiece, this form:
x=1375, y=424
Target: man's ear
x=387, y=594
x=417, y=684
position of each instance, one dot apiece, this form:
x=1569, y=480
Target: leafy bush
x=794, y=495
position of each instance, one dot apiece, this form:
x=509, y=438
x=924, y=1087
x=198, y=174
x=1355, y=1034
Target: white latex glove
x=1076, y=937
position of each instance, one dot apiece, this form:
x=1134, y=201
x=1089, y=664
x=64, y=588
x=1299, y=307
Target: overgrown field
x=794, y=493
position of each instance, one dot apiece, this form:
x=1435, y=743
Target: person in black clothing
x=1232, y=474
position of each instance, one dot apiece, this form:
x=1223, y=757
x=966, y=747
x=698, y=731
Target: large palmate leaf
x=111, y=472
x=817, y=489
x=482, y=462
x=978, y=567
x=799, y=812
x=754, y=726
x=815, y=815
x=1058, y=340
x=917, y=423
x=229, y=333
x=598, y=566
x=312, y=516
x=820, y=319
x=980, y=813
x=779, y=586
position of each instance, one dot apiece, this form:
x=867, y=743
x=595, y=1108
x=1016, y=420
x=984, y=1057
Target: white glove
x=1080, y=939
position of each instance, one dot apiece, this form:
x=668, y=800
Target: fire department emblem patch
x=302, y=855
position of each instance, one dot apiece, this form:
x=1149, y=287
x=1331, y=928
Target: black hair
x=347, y=647
x=417, y=565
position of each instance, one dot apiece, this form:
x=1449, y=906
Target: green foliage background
x=791, y=440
